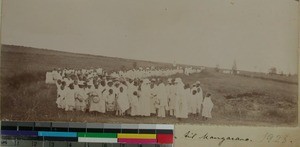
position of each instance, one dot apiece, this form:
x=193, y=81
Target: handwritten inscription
x=207, y=136
x=267, y=138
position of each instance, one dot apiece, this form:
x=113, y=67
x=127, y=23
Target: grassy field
x=239, y=100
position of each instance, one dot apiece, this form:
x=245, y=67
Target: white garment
x=49, y=78
x=163, y=100
x=134, y=105
x=181, y=110
x=70, y=99
x=153, y=99
x=193, y=101
x=61, y=98
x=199, y=100
x=144, y=100
x=207, y=107
x=96, y=101
x=80, y=97
x=110, y=102
x=171, y=97
x=123, y=101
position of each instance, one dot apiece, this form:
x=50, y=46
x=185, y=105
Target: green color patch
x=98, y=135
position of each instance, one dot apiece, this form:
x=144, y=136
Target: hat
x=90, y=83
x=178, y=80
x=198, y=82
x=80, y=82
x=146, y=81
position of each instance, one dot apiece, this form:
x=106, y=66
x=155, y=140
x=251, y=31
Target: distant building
x=230, y=71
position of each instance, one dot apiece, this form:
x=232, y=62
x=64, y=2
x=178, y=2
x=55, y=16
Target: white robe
x=207, y=107
x=199, y=101
x=153, y=99
x=123, y=101
x=61, y=98
x=134, y=105
x=96, y=106
x=81, y=96
x=133, y=100
x=181, y=108
x=49, y=78
x=171, y=97
x=70, y=98
x=193, y=102
x=144, y=100
x=101, y=105
x=110, y=102
x=162, y=100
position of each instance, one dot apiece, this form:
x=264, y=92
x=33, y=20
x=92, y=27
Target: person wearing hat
x=109, y=85
x=80, y=97
x=207, y=107
x=70, y=98
x=144, y=100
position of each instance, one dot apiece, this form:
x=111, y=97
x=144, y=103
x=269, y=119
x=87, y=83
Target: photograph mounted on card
x=170, y=62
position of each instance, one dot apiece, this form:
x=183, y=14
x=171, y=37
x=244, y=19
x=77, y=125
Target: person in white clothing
x=207, y=107
x=95, y=104
x=61, y=96
x=199, y=99
x=193, y=101
x=181, y=110
x=171, y=96
x=162, y=99
x=134, y=104
x=100, y=92
x=144, y=100
x=70, y=98
x=80, y=97
x=110, y=100
x=153, y=91
x=122, y=101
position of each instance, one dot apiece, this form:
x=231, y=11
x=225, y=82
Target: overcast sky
x=257, y=33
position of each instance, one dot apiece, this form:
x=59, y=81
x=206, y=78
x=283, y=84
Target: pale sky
x=259, y=34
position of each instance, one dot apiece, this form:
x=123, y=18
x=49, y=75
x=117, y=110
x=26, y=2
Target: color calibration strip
x=89, y=132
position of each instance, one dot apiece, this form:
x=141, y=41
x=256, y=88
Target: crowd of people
x=142, y=92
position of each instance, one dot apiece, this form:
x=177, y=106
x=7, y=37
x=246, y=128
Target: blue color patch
x=57, y=134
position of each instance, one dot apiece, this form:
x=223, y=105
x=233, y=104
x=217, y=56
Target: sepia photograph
x=151, y=62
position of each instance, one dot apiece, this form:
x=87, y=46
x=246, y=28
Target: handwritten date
x=274, y=138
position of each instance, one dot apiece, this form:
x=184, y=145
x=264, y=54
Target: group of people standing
x=160, y=96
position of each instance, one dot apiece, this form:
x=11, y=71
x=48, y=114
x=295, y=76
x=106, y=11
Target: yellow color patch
x=136, y=136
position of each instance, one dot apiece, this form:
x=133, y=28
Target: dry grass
x=238, y=100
